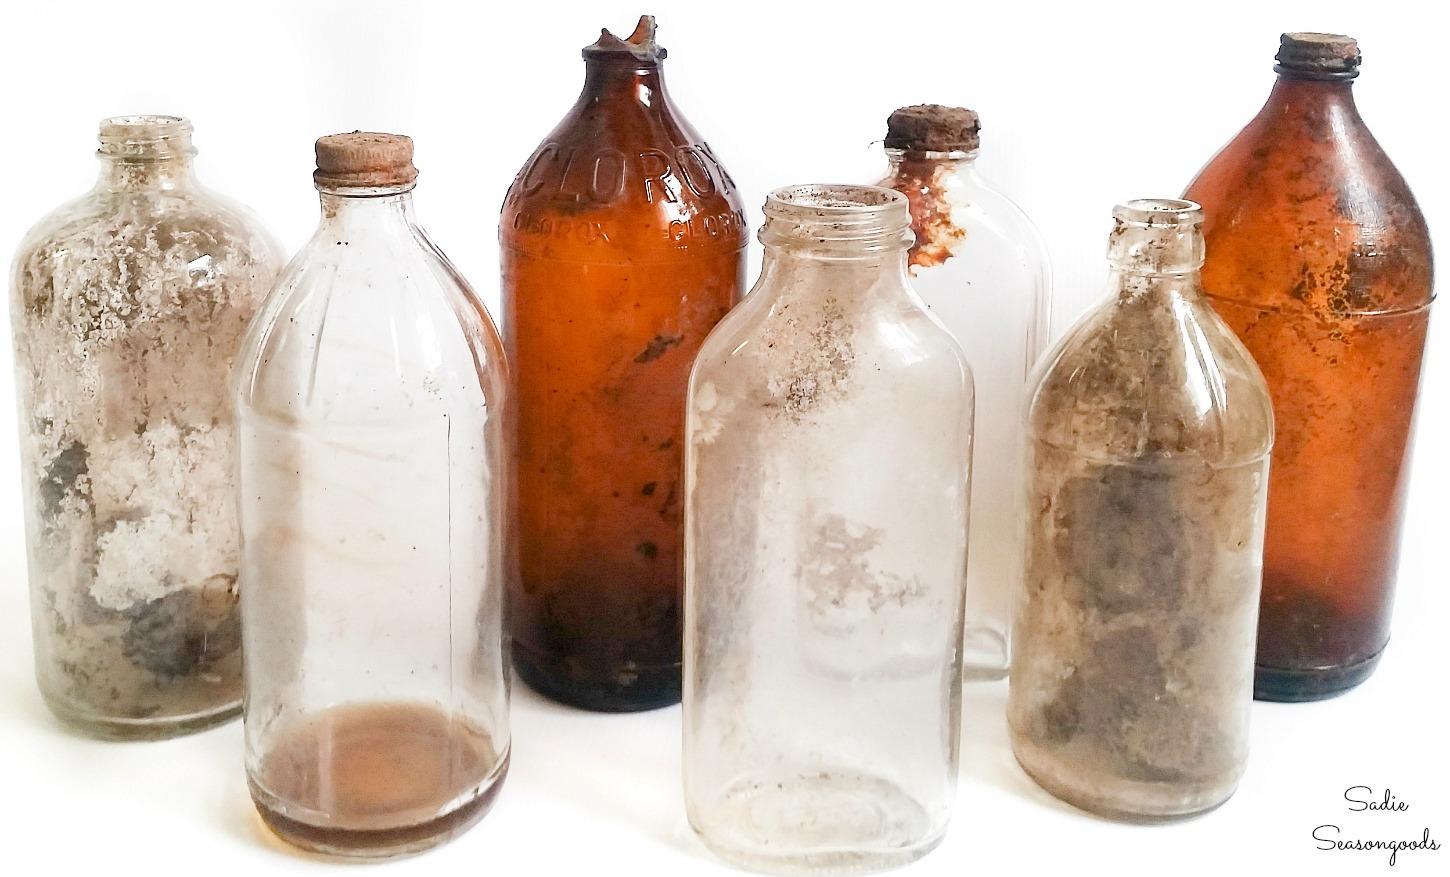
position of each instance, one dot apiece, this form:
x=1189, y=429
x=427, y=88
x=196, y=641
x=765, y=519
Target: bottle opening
x=1157, y=236
x=1159, y=211
x=639, y=46
x=865, y=218
x=145, y=136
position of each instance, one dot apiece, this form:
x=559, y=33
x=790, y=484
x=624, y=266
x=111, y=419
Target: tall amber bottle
x=623, y=244
x=1319, y=259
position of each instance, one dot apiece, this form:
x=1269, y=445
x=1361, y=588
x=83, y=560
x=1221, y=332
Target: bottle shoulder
x=1294, y=221
x=619, y=175
x=1157, y=378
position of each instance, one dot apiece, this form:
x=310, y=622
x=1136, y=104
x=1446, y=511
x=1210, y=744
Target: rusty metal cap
x=639, y=46
x=1320, y=55
x=364, y=160
x=933, y=128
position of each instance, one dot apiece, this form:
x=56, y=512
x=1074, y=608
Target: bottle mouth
x=838, y=217
x=1159, y=211
x=146, y=137
x=1157, y=236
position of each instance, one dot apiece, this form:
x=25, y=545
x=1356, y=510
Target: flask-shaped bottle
x=128, y=306
x=623, y=243
x=374, y=472
x=1148, y=437
x=1319, y=259
x=829, y=443
x=981, y=268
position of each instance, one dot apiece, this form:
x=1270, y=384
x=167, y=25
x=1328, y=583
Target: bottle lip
x=833, y=215
x=1159, y=212
x=146, y=137
x=637, y=48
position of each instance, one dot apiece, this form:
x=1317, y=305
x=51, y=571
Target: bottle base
x=119, y=729
x=382, y=843
x=627, y=691
x=817, y=822
x=377, y=780
x=1280, y=685
x=1086, y=793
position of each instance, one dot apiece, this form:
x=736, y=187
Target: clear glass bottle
x=1148, y=437
x=374, y=472
x=981, y=267
x=127, y=307
x=623, y=244
x=828, y=448
x=1319, y=258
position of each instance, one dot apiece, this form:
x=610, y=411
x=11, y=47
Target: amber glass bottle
x=1319, y=259
x=623, y=244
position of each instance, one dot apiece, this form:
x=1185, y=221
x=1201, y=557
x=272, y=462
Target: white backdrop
x=1083, y=105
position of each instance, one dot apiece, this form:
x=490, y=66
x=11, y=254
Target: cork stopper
x=933, y=128
x=364, y=160
x=640, y=45
x=1318, y=55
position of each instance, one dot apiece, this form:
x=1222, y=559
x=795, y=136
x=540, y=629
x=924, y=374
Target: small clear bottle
x=1148, y=437
x=980, y=266
x=128, y=306
x=828, y=447
x=374, y=468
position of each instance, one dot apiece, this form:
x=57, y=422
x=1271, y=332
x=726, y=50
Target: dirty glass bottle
x=826, y=491
x=374, y=470
x=623, y=243
x=1319, y=258
x=1148, y=437
x=980, y=266
x=128, y=306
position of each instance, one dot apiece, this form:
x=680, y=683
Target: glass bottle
x=623, y=244
x=1148, y=436
x=128, y=306
x=374, y=468
x=980, y=266
x=826, y=471
x=1320, y=260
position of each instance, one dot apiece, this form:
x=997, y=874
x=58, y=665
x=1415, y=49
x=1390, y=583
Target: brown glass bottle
x=623, y=244
x=1319, y=259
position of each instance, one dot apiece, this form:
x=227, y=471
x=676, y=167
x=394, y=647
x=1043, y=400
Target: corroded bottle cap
x=364, y=160
x=640, y=45
x=933, y=128
x=1320, y=55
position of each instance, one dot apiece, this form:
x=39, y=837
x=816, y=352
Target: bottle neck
x=349, y=214
x=142, y=175
x=146, y=153
x=957, y=161
x=643, y=80
x=1156, y=245
x=1331, y=99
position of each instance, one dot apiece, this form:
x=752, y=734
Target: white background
x=1083, y=105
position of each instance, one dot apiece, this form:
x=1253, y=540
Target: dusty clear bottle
x=623, y=244
x=1319, y=258
x=374, y=473
x=128, y=306
x=981, y=267
x=1148, y=437
x=826, y=490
